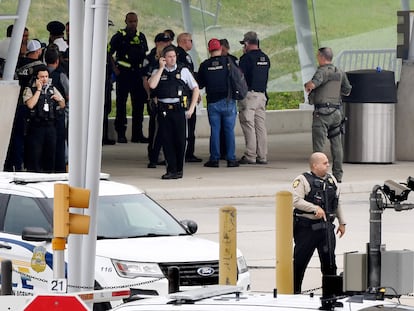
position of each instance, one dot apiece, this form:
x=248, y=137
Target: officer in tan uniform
x=325, y=91
x=316, y=205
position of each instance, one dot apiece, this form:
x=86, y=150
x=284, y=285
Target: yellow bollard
x=284, y=242
x=228, y=246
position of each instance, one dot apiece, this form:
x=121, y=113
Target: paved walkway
x=288, y=156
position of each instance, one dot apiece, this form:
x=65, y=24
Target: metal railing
x=386, y=59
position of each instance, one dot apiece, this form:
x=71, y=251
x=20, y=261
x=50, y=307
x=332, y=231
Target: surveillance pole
x=374, y=245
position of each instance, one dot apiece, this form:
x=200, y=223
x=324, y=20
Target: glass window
x=24, y=212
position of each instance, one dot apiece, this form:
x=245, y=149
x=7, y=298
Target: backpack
x=237, y=83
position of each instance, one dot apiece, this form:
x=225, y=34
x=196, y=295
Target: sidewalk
x=288, y=155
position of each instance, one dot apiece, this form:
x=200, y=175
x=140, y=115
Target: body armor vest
x=171, y=85
x=323, y=193
x=45, y=109
x=330, y=91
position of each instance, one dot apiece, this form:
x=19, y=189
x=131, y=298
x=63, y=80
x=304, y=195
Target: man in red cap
x=222, y=111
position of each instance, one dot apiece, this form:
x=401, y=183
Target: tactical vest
x=323, y=194
x=171, y=85
x=330, y=90
x=216, y=73
x=131, y=53
x=45, y=109
x=55, y=76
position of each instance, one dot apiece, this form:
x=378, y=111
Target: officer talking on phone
x=316, y=205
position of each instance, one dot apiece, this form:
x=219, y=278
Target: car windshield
x=134, y=215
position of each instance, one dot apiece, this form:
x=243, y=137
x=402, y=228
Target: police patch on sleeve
x=296, y=183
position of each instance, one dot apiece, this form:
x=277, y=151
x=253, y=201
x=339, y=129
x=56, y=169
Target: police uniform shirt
x=27, y=93
x=129, y=48
x=255, y=65
x=184, y=58
x=301, y=188
x=186, y=76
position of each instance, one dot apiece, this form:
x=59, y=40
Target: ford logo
x=205, y=271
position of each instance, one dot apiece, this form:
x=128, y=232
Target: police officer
x=185, y=44
x=316, y=205
x=130, y=47
x=325, y=89
x=45, y=103
x=222, y=111
x=255, y=65
x=172, y=85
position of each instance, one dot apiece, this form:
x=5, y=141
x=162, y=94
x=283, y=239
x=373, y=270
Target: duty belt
x=328, y=105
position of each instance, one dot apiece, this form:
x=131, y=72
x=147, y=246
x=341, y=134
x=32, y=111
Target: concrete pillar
x=404, y=114
x=9, y=91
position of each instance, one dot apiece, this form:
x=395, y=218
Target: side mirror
x=190, y=226
x=36, y=234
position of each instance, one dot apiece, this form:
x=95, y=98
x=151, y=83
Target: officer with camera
x=316, y=205
x=45, y=103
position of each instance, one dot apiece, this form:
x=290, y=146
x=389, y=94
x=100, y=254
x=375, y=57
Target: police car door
x=32, y=261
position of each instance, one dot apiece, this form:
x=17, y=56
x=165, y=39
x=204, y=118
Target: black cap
x=162, y=37
x=56, y=28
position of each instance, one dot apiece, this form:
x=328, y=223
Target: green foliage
x=284, y=100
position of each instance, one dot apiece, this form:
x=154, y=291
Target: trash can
x=370, y=112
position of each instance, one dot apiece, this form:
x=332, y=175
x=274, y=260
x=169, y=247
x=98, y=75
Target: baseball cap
x=162, y=37
x=33, y=45
x=250, y=37
x=213, y=45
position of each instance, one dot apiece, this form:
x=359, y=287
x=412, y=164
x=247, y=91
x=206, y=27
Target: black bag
x=237, y=83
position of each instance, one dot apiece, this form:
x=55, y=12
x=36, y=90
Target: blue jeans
x=222, y=114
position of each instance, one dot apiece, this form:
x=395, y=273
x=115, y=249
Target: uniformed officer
x=184, y=45
x=222, y=111
x=45, y=103
x=325, y=89
x=316, y=205
x=172, y=85
x=130, y=47
x=255, y=65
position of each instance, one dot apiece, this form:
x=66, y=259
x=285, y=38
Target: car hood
x=163, y=249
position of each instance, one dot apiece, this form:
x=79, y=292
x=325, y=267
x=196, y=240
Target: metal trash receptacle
x=370, y=112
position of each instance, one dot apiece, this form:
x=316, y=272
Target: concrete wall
x=277, y=121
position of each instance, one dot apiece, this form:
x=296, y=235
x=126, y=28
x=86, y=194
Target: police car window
x=132, y=216
x=23, y=212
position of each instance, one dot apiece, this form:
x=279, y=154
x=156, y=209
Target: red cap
x=213, y=45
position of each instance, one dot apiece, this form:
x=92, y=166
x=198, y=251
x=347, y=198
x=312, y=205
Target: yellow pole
x=284, y=242
x=228, y=246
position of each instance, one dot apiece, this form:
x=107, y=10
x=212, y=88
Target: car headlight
x=133, y=269
x=242, y=265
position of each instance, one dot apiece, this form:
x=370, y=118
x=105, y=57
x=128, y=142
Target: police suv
x=137, y=239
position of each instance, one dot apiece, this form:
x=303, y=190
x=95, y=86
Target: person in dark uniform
x=130, y=47
x=225, y=48
x=316, y=205
x=60, y=80
x=325, y=90
x=151, y=63
x=45, y=103
x=172, y=85
x=185, y=44
x=222, y=111
x=26, y=66
x=255, y=65
x=109, y=81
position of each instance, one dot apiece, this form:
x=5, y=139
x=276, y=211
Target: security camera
x=396, y=192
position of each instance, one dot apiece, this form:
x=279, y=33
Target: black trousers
x=130, y=83
x=41, y=148
x=173, y=133
x=191, y=135
x=308, y=236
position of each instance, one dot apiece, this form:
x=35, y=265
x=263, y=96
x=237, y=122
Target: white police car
x=137, y=239
x=231, y=298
